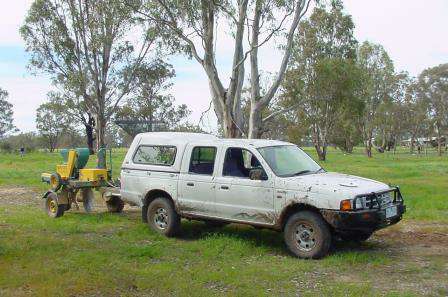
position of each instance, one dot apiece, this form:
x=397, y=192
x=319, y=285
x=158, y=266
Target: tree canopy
x=86, y=48
x=6, y=115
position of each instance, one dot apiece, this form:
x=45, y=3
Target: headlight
x=352, y=204
x=360, y=202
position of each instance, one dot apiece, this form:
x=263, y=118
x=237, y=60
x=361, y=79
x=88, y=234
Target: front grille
x=383, y=198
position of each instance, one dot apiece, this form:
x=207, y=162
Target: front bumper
x=367, y=220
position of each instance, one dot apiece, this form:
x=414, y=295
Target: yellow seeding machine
x=72, y=183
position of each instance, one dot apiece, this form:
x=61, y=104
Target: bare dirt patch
x=419, y=258
x=19, y=196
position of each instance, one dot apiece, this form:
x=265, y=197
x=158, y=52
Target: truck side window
x=202, y=160
x=238, y=162
x=155, y=155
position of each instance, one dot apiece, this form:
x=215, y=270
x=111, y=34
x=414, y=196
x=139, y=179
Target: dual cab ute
x=263, y=183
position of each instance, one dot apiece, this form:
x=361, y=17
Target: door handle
x=126, y=171
x=190, y=184
x=148, y=173
x=224, y=187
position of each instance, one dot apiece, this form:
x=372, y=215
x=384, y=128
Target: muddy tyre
x=356, y=236
x=307, y=235
x=162, y=217
x=55, y=181
x=115, y=204
x=52, y=207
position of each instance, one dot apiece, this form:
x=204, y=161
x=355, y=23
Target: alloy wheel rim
x=161, y=218
x=305, y=237
x=52, y=206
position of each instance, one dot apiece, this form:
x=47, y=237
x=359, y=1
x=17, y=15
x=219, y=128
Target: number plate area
x=391, y=212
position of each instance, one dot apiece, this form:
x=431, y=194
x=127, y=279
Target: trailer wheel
x=55, y=181
x=115, y=204
x=307, y=235
x=162, y=217
x=52, y=207
x=87, y=199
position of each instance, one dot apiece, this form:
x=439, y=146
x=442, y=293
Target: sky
x=413, y=32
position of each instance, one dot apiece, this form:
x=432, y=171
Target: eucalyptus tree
x=86, y=46
x=433, y=83
x=418, y=122
x=378, y=84
x=192, y=27
x=77, y=113
x=323, y=81
x=51, y=122
x=6, y=115
x=150, y=101
x=391, y=120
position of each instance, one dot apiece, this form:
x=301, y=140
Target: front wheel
x=307, y=235
x=52, y=207
x=162, y=217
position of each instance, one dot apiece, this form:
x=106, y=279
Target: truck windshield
x=289, y=160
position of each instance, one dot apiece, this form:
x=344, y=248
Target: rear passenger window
x=202, y=160
x=155, y=155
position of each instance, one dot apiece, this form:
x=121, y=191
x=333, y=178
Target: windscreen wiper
x=301, y=172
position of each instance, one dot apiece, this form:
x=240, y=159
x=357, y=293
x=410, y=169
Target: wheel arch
x=294, y=208
x=150, y=196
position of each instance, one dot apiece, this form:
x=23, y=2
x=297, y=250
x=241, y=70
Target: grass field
x=103, y=254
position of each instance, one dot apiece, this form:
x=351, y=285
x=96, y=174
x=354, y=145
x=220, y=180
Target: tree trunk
x=319, y=144
x=89, y=134
x=230, y=128
x=369, y=144
x=100, y=129
x=369, y=148
x=255, y=123
x=384, y=142
x=412, y=144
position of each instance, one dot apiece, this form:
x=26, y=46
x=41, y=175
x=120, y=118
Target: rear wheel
x=162, y=217
x=52, y=207
x=307, y=235
x=115, y=204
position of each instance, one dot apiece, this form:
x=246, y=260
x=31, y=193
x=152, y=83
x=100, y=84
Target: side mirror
x=257, y=174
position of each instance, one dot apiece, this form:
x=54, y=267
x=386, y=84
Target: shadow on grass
x=270, y=239
x=257, y=237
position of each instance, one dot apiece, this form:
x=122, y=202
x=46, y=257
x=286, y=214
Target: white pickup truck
x=263, y=183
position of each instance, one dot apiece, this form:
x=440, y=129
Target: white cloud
x=413, y=32
x=26, y=94
x=12, y=16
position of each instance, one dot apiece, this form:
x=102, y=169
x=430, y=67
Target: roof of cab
x=203, y=138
